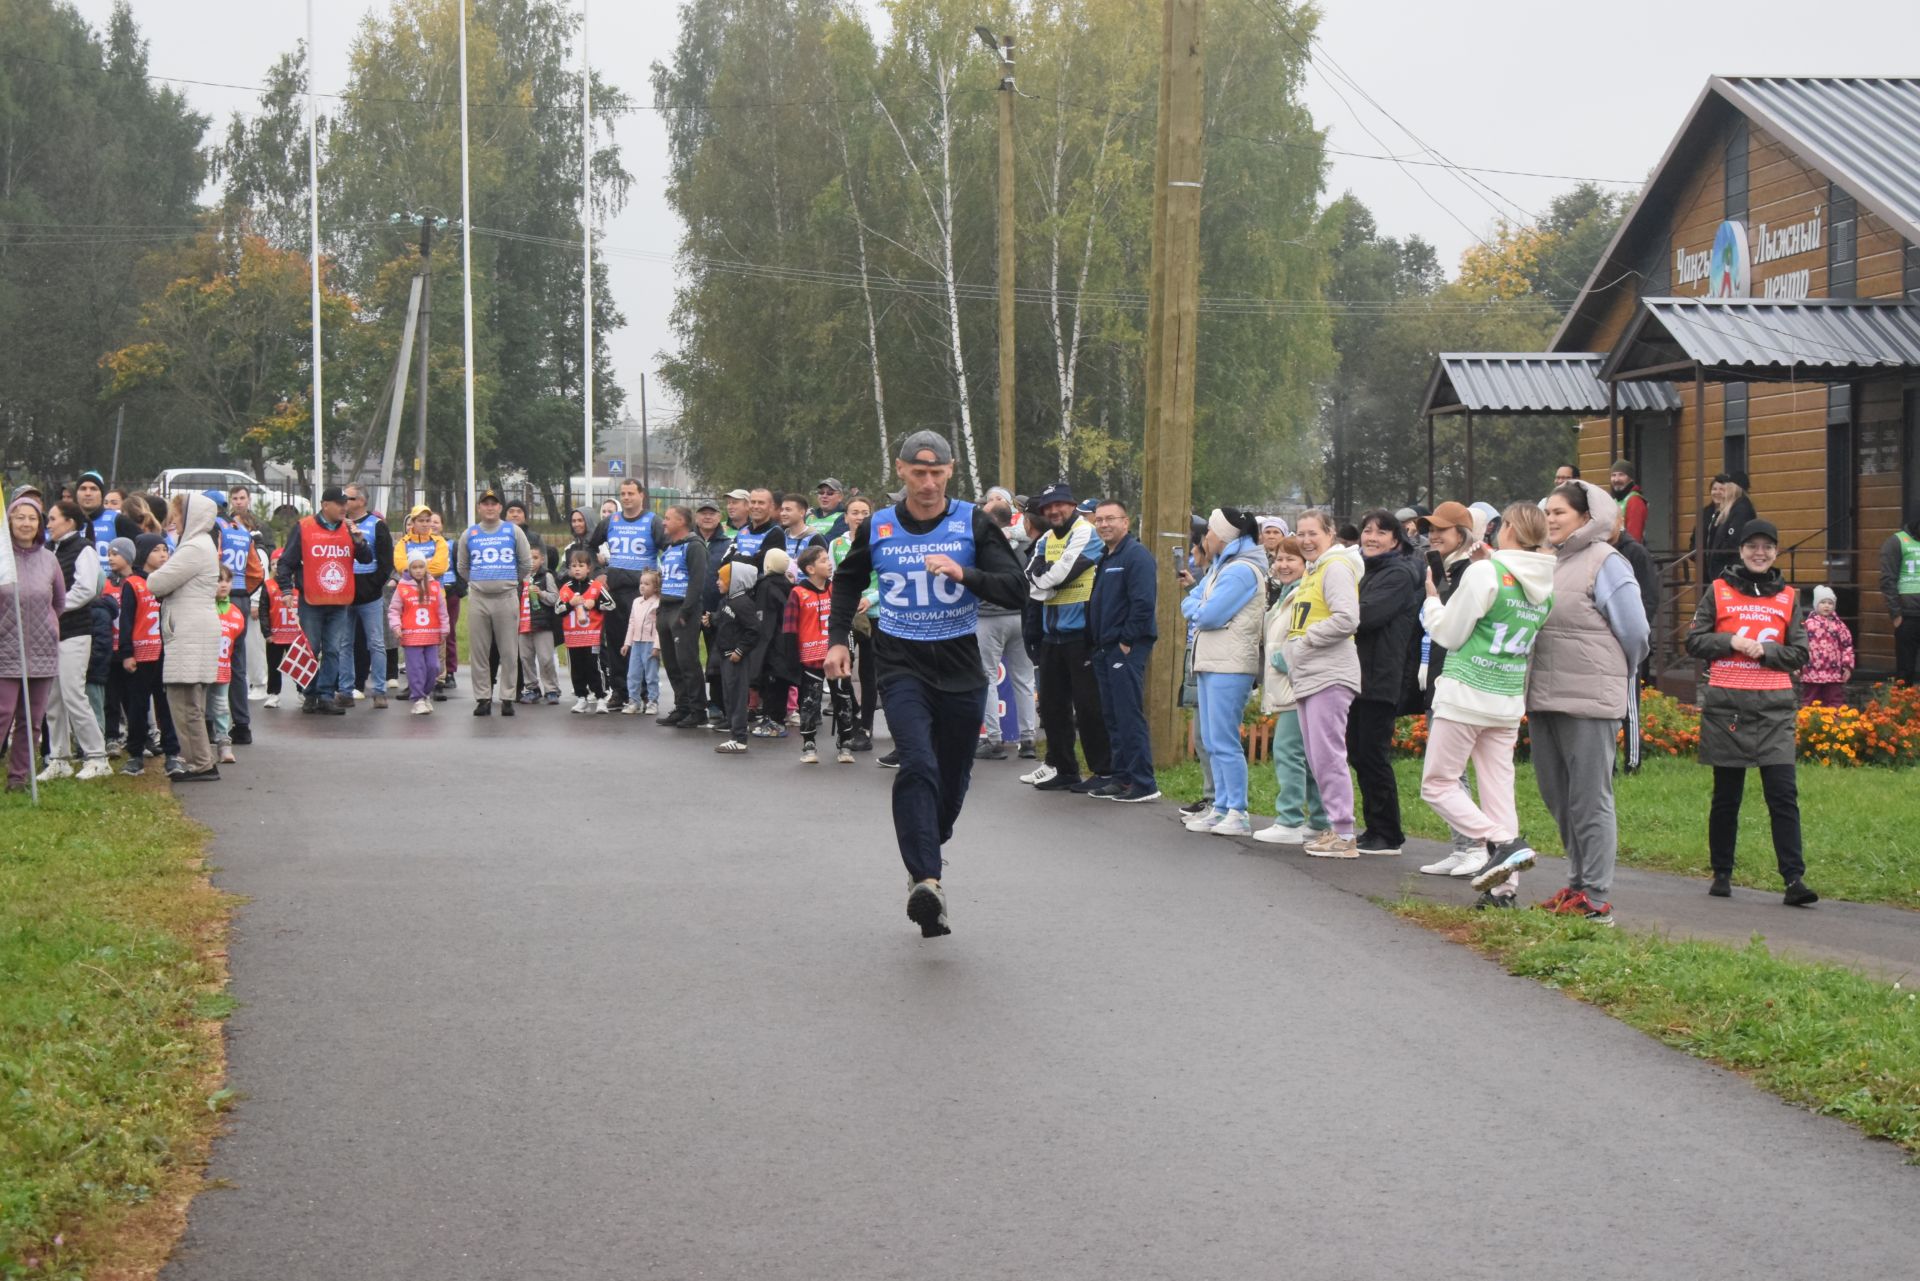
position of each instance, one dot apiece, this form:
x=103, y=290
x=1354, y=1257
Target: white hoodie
x=1452, y=623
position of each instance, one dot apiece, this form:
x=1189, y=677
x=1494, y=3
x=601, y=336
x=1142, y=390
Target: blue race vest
x=103, y=527
x=235, y=545
x=630, y=542
x=491, y=555
x=673, y=571
x=917, y=605
x=746, y=543
x=366, y=526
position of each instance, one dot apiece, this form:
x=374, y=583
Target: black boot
x=484, y=707
x=1800, y=895
x=1722, y=886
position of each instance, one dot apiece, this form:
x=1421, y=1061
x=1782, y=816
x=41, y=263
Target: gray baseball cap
x=926, y=442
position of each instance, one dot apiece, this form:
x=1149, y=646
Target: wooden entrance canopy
x=1531, y=384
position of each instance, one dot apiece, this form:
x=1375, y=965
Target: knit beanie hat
x=1822, y=592
x=123, y=548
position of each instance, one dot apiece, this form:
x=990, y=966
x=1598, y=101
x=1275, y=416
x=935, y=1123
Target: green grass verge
x=1820, y=1036
x=1860, y=827
x=112, y=969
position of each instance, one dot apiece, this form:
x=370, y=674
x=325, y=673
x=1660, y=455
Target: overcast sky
x=1586, y=91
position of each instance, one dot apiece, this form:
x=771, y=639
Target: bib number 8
x=423, y=617
x=918, y=589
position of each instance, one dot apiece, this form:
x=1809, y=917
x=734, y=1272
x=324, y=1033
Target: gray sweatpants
x=70, y=718
x=1573, y=763
x=539, y=665
x=493, y=626
x=999, y=636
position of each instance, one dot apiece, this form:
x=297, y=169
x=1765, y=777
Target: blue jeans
x=237, y=687
x=1123, y=687
x=370, y=620
x=934, y=731
x=329, y=630
x=643, y=673
x=1223, y=700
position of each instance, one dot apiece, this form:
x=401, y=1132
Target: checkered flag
x=301, y=664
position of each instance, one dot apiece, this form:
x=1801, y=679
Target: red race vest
x=526, y=610
x=111, y=590
x=1761, y=618
x=232, y=623
x=146, y=621
x=422, y=610
x=283, y=614
x=326, y=563
x=813, y=606
x=581, y=622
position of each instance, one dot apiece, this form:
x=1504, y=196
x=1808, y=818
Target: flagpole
x=466, y=255
x=313, y=268
x=586, y=248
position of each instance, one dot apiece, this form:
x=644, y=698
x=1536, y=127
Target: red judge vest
x=326, y=563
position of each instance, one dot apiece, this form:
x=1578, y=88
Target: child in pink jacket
x=1829, y=653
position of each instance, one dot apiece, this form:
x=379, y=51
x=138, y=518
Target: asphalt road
x=573, y=997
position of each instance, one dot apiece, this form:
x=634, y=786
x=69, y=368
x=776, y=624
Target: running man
x=936, y=559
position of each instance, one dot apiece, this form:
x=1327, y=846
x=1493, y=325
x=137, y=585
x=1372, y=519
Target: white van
x=194, y=480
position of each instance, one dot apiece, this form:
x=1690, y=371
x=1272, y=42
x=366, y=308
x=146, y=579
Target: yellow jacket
x=437, y=563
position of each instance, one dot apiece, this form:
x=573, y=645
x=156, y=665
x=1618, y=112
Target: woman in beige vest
x=1580, y=691
x=1226, y=608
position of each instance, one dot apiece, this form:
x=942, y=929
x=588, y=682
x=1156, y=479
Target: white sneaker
x=256, y=692
x=580, y=705
x=1206, y=822
x=652, y=708
x=95, y=769
x=393, y=686
x=601, y=708
x=421, y=707
x=1039, y=774
x=359, y=696
x=273, y=700
x=1470, y=863
x=55, y=769
x=1445, y=866
x=227, y=757
x=1235, y=823
x=1281, y=834
x=632, y=709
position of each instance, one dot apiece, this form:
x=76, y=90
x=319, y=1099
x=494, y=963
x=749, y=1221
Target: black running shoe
x=1799, y=894
x=985, y=751
x=1722, y=886
x=927, y=908
x=890, y=761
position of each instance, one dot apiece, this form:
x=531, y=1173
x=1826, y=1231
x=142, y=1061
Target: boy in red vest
x=805, y=629
x=584, y=604
x=418, y=616
x=139, y=655
x=233, y=624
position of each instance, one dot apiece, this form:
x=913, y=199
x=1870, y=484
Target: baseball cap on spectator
x=837, y=486
x=1406, y=514
x=214, y=496
x=486, y=496
x=926, y=448
x=1759, y=529
x=1448, y=515
x=1058, y=492
x=1088, y=504
x=739, y=495
x=335, y=494
x=707, y=505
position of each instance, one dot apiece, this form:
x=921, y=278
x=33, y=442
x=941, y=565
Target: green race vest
x=1909, y=564
x=1494, y=658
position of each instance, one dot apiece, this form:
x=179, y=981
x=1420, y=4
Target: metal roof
x=1534, y=383
x=1863, y=134
x=1762, y=338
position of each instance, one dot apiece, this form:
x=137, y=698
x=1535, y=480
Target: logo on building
x=1728, y=275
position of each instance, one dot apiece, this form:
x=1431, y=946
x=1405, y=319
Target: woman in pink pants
x=1488, y=627
x=1324, y=666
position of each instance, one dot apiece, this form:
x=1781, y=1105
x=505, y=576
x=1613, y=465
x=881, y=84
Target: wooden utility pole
x=1173, y=309
x=1006, y=262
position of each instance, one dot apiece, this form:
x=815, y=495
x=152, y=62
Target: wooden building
x=1758, y=311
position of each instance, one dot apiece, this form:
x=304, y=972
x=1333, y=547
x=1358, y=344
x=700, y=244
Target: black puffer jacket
x=1389, y=634
x=1748, y=727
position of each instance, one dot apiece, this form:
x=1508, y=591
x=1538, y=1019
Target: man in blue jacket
x=1121, y=632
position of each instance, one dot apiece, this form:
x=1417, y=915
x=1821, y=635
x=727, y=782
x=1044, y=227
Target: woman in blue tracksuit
x=1227, y=608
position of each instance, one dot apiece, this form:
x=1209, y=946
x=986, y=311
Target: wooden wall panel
x=1882, y=259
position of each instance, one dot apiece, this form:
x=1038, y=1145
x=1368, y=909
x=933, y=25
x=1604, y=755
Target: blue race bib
x=491, y=555
x=673, y=571
x=630, y=543
x=916, y=604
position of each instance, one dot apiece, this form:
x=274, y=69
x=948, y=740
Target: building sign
x=1728, y=275
x=1727, y=268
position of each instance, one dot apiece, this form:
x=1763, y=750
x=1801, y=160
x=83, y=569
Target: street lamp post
x=1003, y=50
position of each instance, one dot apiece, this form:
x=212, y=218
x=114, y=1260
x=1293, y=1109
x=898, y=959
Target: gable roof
x=1863, y=134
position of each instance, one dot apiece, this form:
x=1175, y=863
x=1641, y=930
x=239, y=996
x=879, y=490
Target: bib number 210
x=918, y=589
